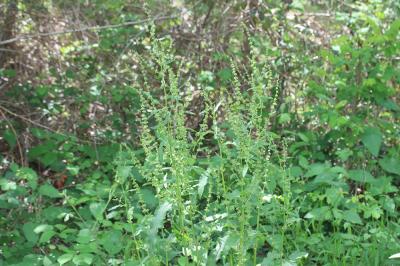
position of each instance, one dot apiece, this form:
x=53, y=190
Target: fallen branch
x=93, y=28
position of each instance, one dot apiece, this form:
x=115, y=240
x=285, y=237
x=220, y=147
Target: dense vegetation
x=199, y=132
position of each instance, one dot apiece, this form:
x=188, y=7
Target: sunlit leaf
x=202, y=183
x=395, y=256
x=65, y=258
x=159, y=216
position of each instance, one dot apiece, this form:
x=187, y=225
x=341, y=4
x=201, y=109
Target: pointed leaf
x=220, y=246
x=97, y=210
x=319, y=214
x=352, y=217
x=65, y=258
x=28, y=230
x=41, y=228
x=159, y=217
x=361, y=176
x=83, y=259
x=112, y=242
x=202, y=183
x=395, y=256
x=49, y=191
x=298, y=255
x=391, y=165
x=372, y=140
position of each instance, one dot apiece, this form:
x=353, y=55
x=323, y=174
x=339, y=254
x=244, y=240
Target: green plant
x=265, y=144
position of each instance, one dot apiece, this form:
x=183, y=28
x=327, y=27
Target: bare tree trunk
x=7, y=31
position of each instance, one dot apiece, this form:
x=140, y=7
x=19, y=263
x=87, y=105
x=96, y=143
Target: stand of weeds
x=224, y=192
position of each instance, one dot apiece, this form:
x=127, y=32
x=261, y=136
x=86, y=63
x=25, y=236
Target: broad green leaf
x=123, y=172
x=329, y=175
x=28, y=230
x=28, y=174
x=244, y=171
x=388, y=204
x=393, y=30
x=390, y=105
x=39, y=133
x=149, y=197
x=9, y=136
x=334, y=195
x=46, y=236
x=232, y=242
x=10, y=73
x=47, y=261
x=159, y=217
x=284, y=118
x=137, y=175
x=361, y=176
x=304, y=138
x=84, y=236
x=42, y=149
x=289, y=263
x=7, y=184
x=202, y=183
x=372, y=139
x=373, y=211
x=390, y=164
x=52, y=213
x=27, y=260
x=83, y=259
x=295, y=171
x=382, y=185
x=73, y=170
x=316, y=169
x=41, y=91
x=49, y=191
x=49, y=158
x=337, y=214
x=220, y=247
x=352, y=217
x=97, y=210
x=341, y=104
x=225, y=74
x=297, y=255
x=65, y=258
x=43, y=227
x=344, y=154
x=112, y=242
x=319, y=214
x=303, y=162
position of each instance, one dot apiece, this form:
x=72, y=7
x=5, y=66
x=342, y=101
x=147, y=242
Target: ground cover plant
x=199, y=133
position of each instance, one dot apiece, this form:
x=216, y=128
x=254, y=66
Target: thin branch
x=8, y=50
x=30, y=121
x=93, y=28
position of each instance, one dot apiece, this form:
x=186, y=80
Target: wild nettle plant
x=224, y=192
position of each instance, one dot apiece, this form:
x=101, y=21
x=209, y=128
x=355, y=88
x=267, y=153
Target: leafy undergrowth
x=241, y=189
